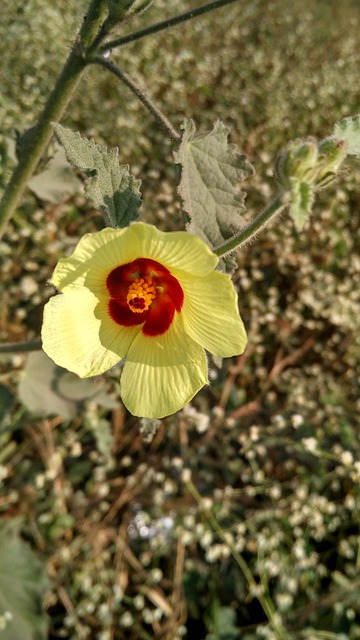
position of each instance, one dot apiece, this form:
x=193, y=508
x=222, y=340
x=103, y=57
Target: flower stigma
x=140, y=295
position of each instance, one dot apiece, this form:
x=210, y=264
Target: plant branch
x=165, y=24
x=19, y=347
x=275, y=208
x=38, y=138
x=144, y=99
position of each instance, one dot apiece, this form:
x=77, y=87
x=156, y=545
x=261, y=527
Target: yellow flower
x=152, y=298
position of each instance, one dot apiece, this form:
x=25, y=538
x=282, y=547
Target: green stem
x=275, y=208
x=21, y=347
x=144, y=99
x=265, y=603
x=160, y=26
x=57, y=102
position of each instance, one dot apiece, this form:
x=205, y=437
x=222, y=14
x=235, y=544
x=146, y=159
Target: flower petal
x=122, y=314
x=95, y=255
x=161, y=374
x=210, y=314
x=79, y=335
x=177, y=250
x=98, y=253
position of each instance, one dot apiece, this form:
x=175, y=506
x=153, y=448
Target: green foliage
x=109, y=185
x=22, y=586
x=56, y=180
x=296, y=173
x=211, y=170
x=304, y=167
x=101, y=430
x=302, y=198
x=226, y=628
x=46, y=389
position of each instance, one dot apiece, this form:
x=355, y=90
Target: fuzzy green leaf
x=56, y=180
x=225, y=621
x=22, y=586
x=109, y=185
x=46, y=389
x=211, y=170
x=302, y=200
x=102, y=432
x=349, y=129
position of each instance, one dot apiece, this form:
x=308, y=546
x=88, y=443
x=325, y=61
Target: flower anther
x=140, y=295
x=151, y=298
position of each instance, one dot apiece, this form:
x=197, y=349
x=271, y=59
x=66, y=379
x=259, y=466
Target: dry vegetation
x=272, y=446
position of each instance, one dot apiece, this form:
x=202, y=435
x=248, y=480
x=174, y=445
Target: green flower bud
x=332, y=152
x=298, y=161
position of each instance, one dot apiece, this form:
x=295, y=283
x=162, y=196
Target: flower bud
x=297, y=161
x=332, y=152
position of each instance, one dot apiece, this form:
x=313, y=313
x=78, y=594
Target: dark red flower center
x=144, y=292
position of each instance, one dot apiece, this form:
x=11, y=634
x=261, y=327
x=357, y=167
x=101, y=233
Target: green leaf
x=302, y=201
x=211, y=170
x=57, y=179
x=102, y=432
x=46, y=389
x=23, y=583
x=226, y=628
x=109, y=185
x=349, y=129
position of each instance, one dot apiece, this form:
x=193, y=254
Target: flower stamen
x=140, y=295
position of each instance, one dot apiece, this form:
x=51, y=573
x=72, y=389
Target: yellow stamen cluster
x=140, y=295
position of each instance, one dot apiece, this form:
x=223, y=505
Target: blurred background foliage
x=272, y=445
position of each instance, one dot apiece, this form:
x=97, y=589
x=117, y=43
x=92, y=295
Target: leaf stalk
x=165, y=24
x=262, y=220
x=140, y=94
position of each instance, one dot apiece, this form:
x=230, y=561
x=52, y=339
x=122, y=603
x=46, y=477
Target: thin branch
x=18, y=347
x=143, y=97
x=165, y=24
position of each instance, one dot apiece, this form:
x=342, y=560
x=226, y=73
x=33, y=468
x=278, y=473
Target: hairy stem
x=21, y=347
x=58, y=100
x=143, y=97
x=275, y=208
x=165, y=24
